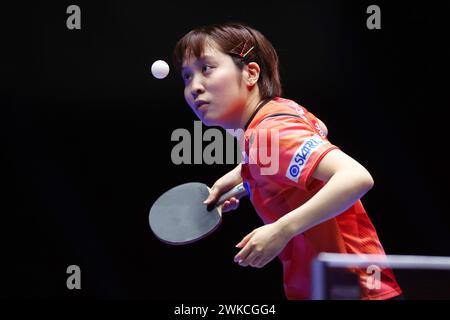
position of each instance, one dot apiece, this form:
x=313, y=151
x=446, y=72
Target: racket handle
x=237, y=192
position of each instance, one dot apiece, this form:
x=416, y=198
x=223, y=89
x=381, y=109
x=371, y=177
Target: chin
x=211, y=121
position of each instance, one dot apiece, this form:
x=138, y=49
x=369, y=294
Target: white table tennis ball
x=160, y=69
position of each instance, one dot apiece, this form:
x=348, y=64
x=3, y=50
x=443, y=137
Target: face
x=214, y=88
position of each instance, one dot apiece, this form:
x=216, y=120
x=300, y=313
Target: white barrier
x=337, y=260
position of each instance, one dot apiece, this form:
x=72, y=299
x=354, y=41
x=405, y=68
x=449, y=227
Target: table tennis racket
x=179, y=216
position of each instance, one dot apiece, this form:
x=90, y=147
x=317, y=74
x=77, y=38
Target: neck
x=250, y=107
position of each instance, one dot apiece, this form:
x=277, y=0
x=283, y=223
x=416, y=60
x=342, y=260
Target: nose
x=197, y=87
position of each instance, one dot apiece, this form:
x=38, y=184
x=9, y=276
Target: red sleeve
x=299, y=150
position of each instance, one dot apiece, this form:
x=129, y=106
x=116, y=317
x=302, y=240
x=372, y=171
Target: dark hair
x=235, y=38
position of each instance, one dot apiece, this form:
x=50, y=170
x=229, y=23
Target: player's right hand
x=223, y=185
x=216, y=191
x=230, y=204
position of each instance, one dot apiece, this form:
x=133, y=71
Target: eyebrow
x=200, y=59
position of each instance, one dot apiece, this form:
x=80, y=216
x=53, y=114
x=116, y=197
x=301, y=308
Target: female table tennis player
x=311, y=204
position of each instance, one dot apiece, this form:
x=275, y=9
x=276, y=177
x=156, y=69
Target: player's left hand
x=261, y=245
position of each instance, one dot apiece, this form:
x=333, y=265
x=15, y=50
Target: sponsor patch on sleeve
x=301, y=156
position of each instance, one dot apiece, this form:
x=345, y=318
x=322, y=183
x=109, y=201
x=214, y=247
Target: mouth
x=200, y=105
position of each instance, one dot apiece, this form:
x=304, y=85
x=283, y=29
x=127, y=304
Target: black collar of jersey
x=262, y=103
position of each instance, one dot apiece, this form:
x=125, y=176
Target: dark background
x=85, y=131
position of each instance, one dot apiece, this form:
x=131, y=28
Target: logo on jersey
x=301, y=156
x=317, y=126
x=294, y=170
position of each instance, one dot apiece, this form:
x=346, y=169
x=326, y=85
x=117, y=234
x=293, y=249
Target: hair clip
x=245, y=54
x=242, y=54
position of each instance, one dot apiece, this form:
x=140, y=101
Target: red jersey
x=285, y=139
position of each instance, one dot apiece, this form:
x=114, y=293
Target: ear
x=252, y=71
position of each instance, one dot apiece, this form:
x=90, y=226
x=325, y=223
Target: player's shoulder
x=287, y=104
x=283, y=113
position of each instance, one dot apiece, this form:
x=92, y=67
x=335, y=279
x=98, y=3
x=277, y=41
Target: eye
x=206, y=68
x=186, y=76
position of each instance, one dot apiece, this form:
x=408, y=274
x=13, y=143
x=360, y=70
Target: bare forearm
x=340, y=192
x=231, y=178
x=236, y=173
